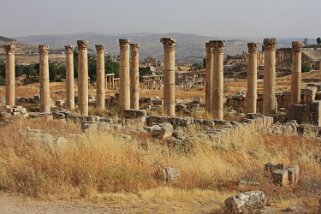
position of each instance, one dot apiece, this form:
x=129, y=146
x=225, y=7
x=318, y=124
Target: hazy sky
x=222, y=18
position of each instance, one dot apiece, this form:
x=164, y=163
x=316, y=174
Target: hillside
x=5, y=39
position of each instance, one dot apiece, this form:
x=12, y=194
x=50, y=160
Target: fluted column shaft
x=252, y=78
x=169, y=75
x=44, y=79
x=218, y=80
x=124, y=88
x=100, y=77
x=83, y=77
x=209, y=78
x=10, y=75
x=134, y=76
x=70, y=82
x=269, y=86
x=296, y=72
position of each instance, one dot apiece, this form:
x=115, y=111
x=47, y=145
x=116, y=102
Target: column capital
x=217, y=45
x=269, y=44
x=252, y=46
x=82, y=44
x=168, y=42
x=297, y=46
x=43, y=49
x=135, y=47
x=9, y=48
x=100, y=48
x=208, y=47
x=123, y=42
x=69, y=49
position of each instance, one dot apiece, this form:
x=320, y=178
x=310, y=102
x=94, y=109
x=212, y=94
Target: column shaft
x=169, y=75
x=10, y=74
x=44, y=79
x=252, y=78
x=70, y=82
x=209, y=78
x=83, y=77
x=269, y=86
x=124, y=87
x=100, y=77
x=134, y=77
x=296, y=72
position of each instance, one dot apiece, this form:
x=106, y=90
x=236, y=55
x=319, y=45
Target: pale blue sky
x=223, y=18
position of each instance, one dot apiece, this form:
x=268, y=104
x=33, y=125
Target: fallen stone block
x=280, y=177
x=293, y=173
x=167, y=174
x=246, y=202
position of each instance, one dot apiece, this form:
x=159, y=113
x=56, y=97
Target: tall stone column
x=44, y=79
x=269, y=99
x=70, y=82
x=124, y=88
x=169, y=75
x=296, y=72
x=10, y=74
x=100, y=77
x=218, y=79
x=134, y=76
x=252, y=78
x=83, y=77
x=209, y=78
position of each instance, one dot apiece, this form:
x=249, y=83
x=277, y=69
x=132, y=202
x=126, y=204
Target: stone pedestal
x=44, y=79
x=296, y=72
x=70, y=82
x=83, y=77
x=269, y=86
x=10, y=75
x=218, y=80
x=209, y=78
x=134, y=77
x=100, y=77
x=124, y=88
x=169, y=75
x=252, y=78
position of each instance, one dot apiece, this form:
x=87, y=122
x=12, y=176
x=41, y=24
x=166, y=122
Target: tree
x=305, y=68
x=305, y=41
x=318, y=41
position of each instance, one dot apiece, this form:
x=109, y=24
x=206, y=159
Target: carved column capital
x=9, y=48
x=82, y=44
x=43, y=49
x=134, y=47
x=69, y=49
x=208, y=47
x=269, y=44
x=100, y=48
x=168, y=42
x=297, y=46
x=253, y=47
x=217, y=45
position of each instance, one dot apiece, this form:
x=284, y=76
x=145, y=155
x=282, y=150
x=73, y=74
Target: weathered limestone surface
x=169, y=75
x=83, y=77
x=70, y=82
x=44, y=79
x=296, y=72
x=218, y=79
x=124, y=88
x=209, y=78
x=10, y=74
x=269, y=99
x=134, y=76
x=100, y=77
x=252, y=78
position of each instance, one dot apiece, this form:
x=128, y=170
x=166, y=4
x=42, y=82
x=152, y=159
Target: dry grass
x=103, y=165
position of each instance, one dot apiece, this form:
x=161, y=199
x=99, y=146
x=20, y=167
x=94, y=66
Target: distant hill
x=5, y=39
x=190, y=47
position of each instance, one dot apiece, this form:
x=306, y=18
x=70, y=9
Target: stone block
x=280, y=177
x=293, y=173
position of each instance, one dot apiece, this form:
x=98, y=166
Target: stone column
x=70, y=82
x=100, y=77
x=44, y=79
x=134, y=76
x=218, y=79
x=10, y=75
x=124, y=87
x=252, y=78
x=269, y=99
x=83, y=77
x=169, y=75
x=296, y=72
x=209, y=78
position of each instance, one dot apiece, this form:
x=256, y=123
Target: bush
x=305, y=68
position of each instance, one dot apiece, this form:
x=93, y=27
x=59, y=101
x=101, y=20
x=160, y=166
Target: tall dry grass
x=90, y=164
